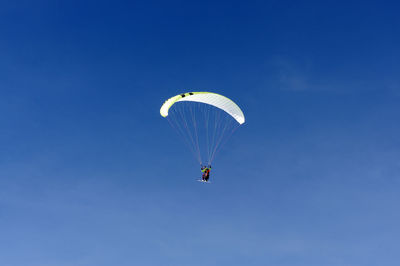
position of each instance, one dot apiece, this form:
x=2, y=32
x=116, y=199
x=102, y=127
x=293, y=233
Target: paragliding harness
x=206, y=173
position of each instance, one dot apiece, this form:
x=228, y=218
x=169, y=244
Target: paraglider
x=205, y=121
x=206, y=173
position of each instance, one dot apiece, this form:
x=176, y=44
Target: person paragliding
x=204, y=121
x=206, y=173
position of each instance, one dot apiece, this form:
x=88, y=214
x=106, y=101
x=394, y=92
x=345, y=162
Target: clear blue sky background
x=92, y=175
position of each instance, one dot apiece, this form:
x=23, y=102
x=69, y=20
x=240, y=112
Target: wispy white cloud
x=304, y=74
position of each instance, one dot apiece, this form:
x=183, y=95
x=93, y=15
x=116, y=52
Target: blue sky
x=91, y=174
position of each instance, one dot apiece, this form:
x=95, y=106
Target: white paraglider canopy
x=204, y=120
x=210, y=98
